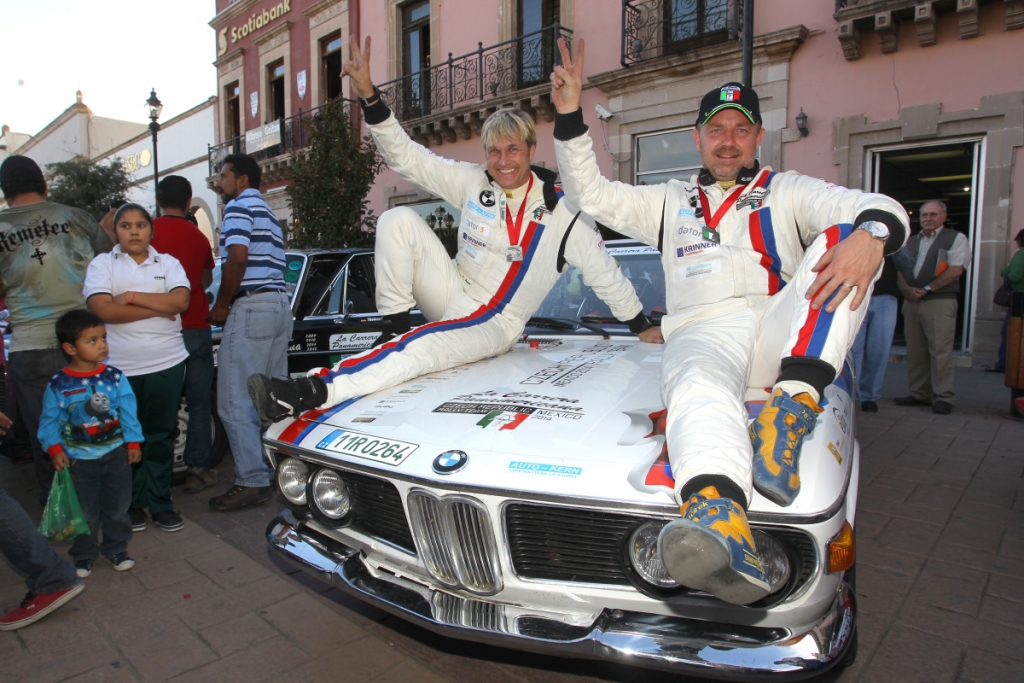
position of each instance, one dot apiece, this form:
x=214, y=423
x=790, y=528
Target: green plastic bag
x=62, y=517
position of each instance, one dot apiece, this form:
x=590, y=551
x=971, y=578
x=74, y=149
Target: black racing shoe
x=275, y=399
x=395, y=325
x=238, y=497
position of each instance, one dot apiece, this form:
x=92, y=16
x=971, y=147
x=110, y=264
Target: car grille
x=568, y=544
x=456, y=541
x=379, y=510
x=486, y=616
x=588, y=546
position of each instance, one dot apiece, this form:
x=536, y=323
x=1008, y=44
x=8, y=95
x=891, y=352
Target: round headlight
x=330, y=495
x=292, y=475
x=643, y=554
x=774, y=560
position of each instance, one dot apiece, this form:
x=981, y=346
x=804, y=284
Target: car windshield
x=291, y=276
x=571, y=299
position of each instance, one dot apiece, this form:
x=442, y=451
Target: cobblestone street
x=940, y=582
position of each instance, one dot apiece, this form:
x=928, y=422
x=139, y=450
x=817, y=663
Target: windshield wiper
x=565, y=324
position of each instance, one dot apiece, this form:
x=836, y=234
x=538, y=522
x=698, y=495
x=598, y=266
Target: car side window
x=322, y=274
x=362, y=284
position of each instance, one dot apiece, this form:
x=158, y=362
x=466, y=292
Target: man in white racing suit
x=516, y=237
x=758, y=267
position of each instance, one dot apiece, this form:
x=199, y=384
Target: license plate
x=386, y=451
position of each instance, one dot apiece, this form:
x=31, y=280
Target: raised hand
x=358, y=67
x=567, y=79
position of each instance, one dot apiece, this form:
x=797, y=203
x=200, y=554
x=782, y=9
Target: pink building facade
x=921, y=100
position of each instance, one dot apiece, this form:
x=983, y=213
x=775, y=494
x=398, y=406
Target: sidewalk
x=940, y=582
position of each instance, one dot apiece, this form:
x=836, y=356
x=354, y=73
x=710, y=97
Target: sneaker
x=869, y=407
x=710, y=548
x=35, y=607
x=238, y=497
x=122, y=562
x=83, y=568
x=777, y=435
x=200, y=479
x=942, y=407
x=910, y=401
x=138, y=518
x=275, y=399
x=168, y=521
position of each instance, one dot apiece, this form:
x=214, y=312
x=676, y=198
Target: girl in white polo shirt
x=139, y=293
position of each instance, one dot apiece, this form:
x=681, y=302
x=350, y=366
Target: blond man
x=516, y=237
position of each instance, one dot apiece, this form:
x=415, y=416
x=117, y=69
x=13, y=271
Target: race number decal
x=385, y=451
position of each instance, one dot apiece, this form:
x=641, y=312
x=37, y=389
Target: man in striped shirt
x=252, y=307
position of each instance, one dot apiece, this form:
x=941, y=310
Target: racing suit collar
x=547, y=178
x=746, y=175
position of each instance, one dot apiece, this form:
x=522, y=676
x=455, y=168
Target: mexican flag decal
x=500, y=417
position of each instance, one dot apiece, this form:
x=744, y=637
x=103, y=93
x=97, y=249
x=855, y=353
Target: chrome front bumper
x=679, y=645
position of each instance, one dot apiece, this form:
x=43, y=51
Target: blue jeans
x=198, y=387
x=255, y=340
x=871, y=348
x=104, y=490
x=30, y=553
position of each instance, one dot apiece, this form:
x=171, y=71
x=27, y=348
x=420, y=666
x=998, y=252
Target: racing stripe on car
x=509, y=286
x=309, y=420
x=814, y=332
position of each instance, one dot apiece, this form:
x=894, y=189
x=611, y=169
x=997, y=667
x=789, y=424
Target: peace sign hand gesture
x=358, y=67
x=567, y=80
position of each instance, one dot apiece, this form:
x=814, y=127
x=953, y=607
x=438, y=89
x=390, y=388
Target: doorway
x=947, y=172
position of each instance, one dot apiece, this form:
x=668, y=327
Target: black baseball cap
x=730, y=96
x=20, y=174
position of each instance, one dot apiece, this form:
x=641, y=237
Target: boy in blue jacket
x=90, y=425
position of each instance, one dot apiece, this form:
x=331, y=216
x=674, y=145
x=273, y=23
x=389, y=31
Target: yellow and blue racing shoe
x=710, y=548
x=777, y=435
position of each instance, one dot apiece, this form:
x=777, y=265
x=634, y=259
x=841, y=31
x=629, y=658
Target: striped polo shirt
x=249, y=221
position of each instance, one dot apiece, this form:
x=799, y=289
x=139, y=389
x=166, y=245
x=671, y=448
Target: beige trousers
x=930, y=327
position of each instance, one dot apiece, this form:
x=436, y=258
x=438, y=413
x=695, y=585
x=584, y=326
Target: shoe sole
x=697, y=559
x=231, y=508
x=124, y=566
x=138, y=527
x=259, y=391
x=70, y=595
x=83, y=573
x=171, y=528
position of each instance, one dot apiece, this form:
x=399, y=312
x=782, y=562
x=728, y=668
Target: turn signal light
x=841, y=550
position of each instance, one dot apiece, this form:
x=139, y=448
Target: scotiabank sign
x=257, y=21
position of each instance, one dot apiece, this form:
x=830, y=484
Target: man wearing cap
x=760, y=267
x=45, y=249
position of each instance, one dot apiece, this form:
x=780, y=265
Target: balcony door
x=416, y=59
x=693, y=23
x=536, y=51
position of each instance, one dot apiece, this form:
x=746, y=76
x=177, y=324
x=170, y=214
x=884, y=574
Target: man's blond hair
x=514, y=124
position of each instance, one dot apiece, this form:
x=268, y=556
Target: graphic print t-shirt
x=44, y=252
x=87, y=416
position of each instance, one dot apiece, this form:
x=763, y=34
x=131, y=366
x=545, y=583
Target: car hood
x=576, y=417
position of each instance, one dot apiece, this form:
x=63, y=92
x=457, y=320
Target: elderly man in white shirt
x=929, y=269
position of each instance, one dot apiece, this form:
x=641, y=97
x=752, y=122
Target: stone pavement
x=940, y=582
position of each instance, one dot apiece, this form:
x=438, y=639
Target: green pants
x=158, y=395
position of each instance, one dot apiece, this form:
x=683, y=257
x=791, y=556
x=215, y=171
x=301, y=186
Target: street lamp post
x=154, y=106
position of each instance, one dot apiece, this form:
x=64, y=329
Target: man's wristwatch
x=927, y=288
x=880, y=231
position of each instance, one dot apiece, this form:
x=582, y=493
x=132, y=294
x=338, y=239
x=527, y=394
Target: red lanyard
x=513, y=230
x=713, y=221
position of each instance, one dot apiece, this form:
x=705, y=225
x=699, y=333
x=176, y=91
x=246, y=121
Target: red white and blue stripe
x=814, y=332
x=762, y=238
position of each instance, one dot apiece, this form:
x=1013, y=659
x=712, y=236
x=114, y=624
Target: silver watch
x=880, y=231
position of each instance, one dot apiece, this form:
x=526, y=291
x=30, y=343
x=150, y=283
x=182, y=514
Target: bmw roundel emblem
x=450, y=461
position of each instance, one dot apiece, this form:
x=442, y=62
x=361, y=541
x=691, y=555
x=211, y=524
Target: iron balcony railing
x=654, y=28
x=487, y=73
x=295, y=135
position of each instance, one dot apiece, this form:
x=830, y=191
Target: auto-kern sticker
x=544, y=469
x=386, y=451
x=571, y=368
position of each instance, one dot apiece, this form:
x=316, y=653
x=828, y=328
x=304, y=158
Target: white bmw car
x=517, y=501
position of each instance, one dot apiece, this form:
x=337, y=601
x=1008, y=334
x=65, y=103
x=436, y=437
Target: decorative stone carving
x=542, y=106
x=924, y=19
x=459, y=125
x=849, y=38
x=967, y=13
x=230, y=61
x=322, y=11
x=1014, y=14
x=886, y=31
x=279, y=35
